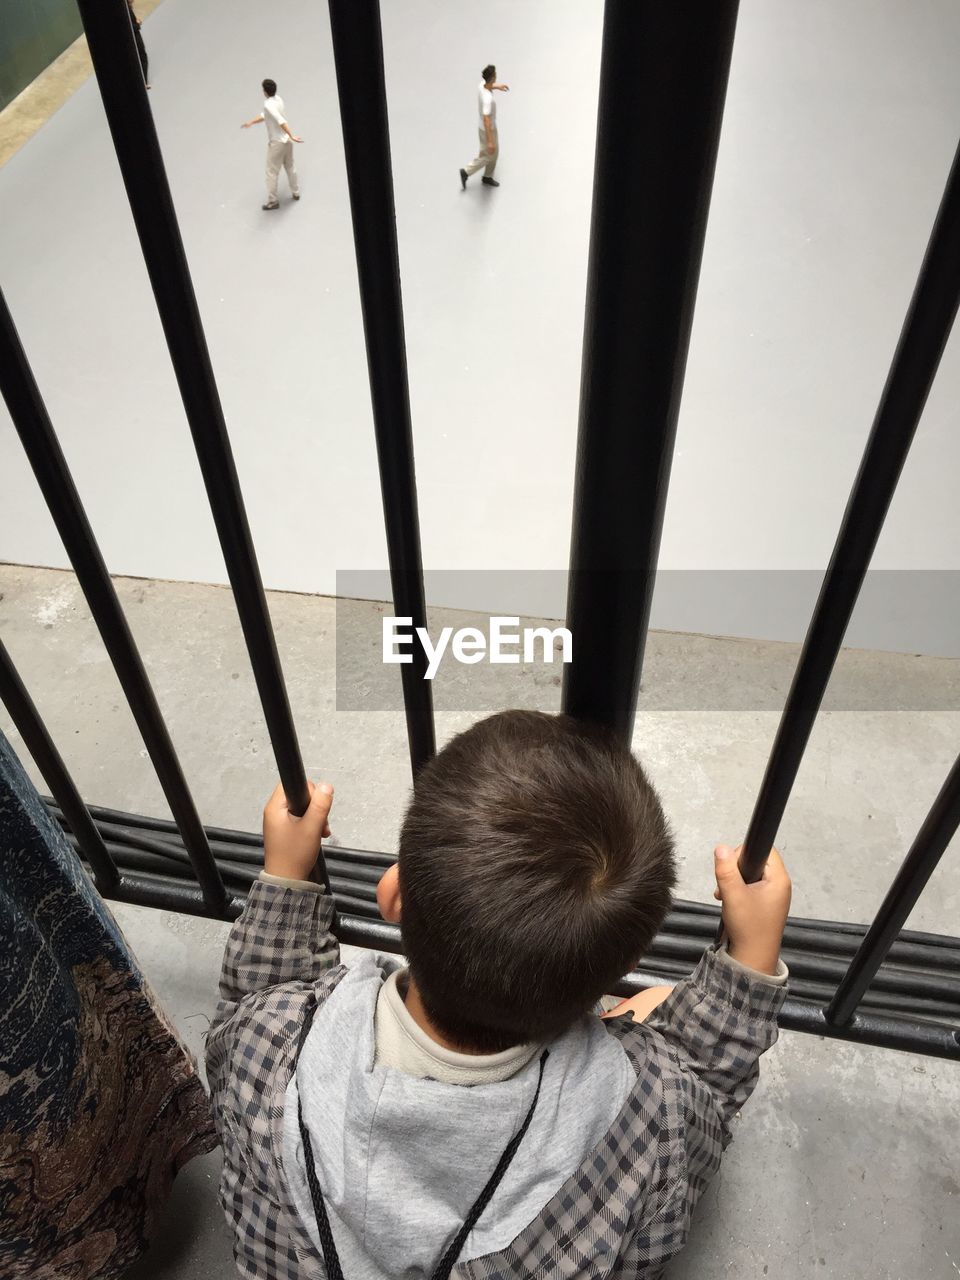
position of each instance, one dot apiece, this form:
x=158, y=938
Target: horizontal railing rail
x=915, y=992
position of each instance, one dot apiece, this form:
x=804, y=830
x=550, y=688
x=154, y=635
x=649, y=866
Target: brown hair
x=536, y=866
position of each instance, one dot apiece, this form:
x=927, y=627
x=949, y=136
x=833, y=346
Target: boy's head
x=489, y=74
x=535, y=867
x=269, y=88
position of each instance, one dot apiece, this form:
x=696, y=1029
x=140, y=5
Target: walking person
x=489, y=140
x=141, y=47
x=280, y=140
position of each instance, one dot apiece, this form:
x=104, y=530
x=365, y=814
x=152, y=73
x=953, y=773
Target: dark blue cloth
x=99, y=1103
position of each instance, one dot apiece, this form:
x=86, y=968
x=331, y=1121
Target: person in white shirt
x=280, y=140
x=489, y=141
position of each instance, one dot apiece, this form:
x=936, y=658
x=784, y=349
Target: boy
x=471, y=1115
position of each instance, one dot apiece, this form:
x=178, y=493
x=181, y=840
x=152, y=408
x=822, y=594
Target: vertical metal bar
x=43, y=450
x=127, y=106
x=663, y=78
x=932, y=839
x=358, y=54
x=915, y=362
x=48, y=760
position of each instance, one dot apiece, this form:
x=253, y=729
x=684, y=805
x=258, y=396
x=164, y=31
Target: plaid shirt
x=623, y=1214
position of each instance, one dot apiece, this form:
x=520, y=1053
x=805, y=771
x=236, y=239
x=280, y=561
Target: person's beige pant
x=280, y=156
x=485, y=160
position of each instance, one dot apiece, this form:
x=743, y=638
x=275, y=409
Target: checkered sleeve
x=280, y=960
x=282, y=935
x=719, y=1021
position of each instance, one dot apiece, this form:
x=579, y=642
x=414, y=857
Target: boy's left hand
x=291, y=844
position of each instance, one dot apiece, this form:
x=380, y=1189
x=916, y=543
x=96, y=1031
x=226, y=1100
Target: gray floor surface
x=839, y=129
x=845, y=1164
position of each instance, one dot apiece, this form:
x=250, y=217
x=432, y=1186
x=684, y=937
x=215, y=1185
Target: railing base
x=914, y=1005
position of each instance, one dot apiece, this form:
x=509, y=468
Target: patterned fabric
x=623, y=1214
x=99, y=1103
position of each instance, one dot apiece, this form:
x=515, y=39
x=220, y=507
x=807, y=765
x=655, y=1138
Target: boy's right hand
x=753, y=914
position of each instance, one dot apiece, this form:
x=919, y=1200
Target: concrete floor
x=845, y=1164
x=838, y=132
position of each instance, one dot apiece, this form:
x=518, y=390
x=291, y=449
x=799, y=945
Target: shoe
x=296, y=195
x=463, y=179
x=269, y=206
x=490, y=182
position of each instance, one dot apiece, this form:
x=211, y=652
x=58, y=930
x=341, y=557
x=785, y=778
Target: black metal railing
x=358, y=55
x=131, y=124
x=662, y=87
x=663, y=78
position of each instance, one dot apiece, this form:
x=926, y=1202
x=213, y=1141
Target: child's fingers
x=727, y=860
x=726, y=869
x=277, y=802
x=318, y=810
x=774, y=868
x=321, y=801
